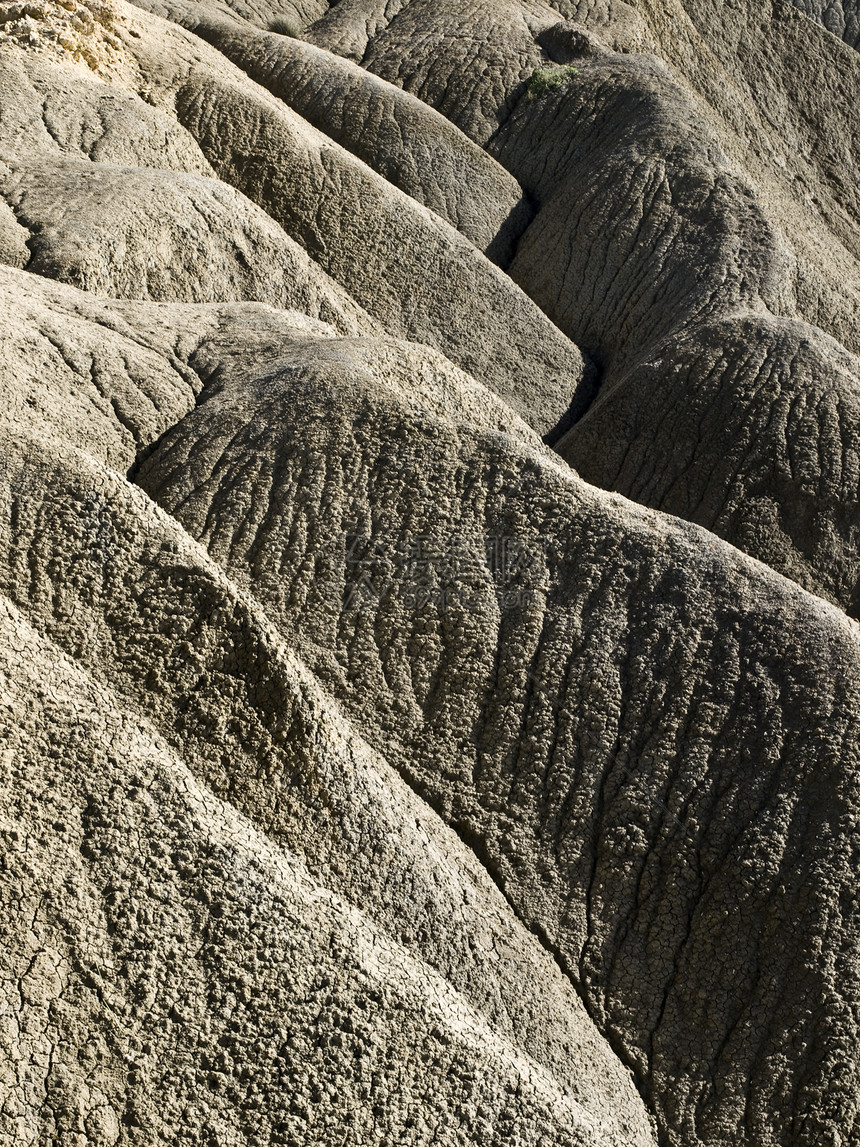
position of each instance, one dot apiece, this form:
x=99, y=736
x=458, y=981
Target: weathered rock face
x=399, y=136
x=135, y=233
x=520, y=699
x=647, y=234
x=841, y=17
x=370, y=776
x=232, y=917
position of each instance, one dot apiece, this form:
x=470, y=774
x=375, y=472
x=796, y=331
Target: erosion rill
x=429, y=573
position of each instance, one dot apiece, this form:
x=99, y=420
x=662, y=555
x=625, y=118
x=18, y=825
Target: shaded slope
x=217, y=851
x=471, y=63
x=842, y=18
x=400, y=137
x=750, y=428
x=644, y=227
x=649, y=242
x=649, y=250
x=779, y=92
x=183, y=977
x=629, y=720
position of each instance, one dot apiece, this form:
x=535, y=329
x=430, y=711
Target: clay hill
x=430, y=573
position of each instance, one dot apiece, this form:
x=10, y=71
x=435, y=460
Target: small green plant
x=286, y=26
x=545, y=80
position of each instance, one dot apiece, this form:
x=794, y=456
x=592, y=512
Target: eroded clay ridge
x=429, y=676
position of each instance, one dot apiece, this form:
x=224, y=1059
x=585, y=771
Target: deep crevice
x=476, y=844
x=584, y=397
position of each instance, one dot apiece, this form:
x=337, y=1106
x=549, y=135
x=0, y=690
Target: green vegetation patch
x=546, y=80
x=286, y=26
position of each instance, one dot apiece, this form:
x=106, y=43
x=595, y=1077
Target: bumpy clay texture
x=429, y=573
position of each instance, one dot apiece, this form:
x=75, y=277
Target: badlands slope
x=429, y=573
